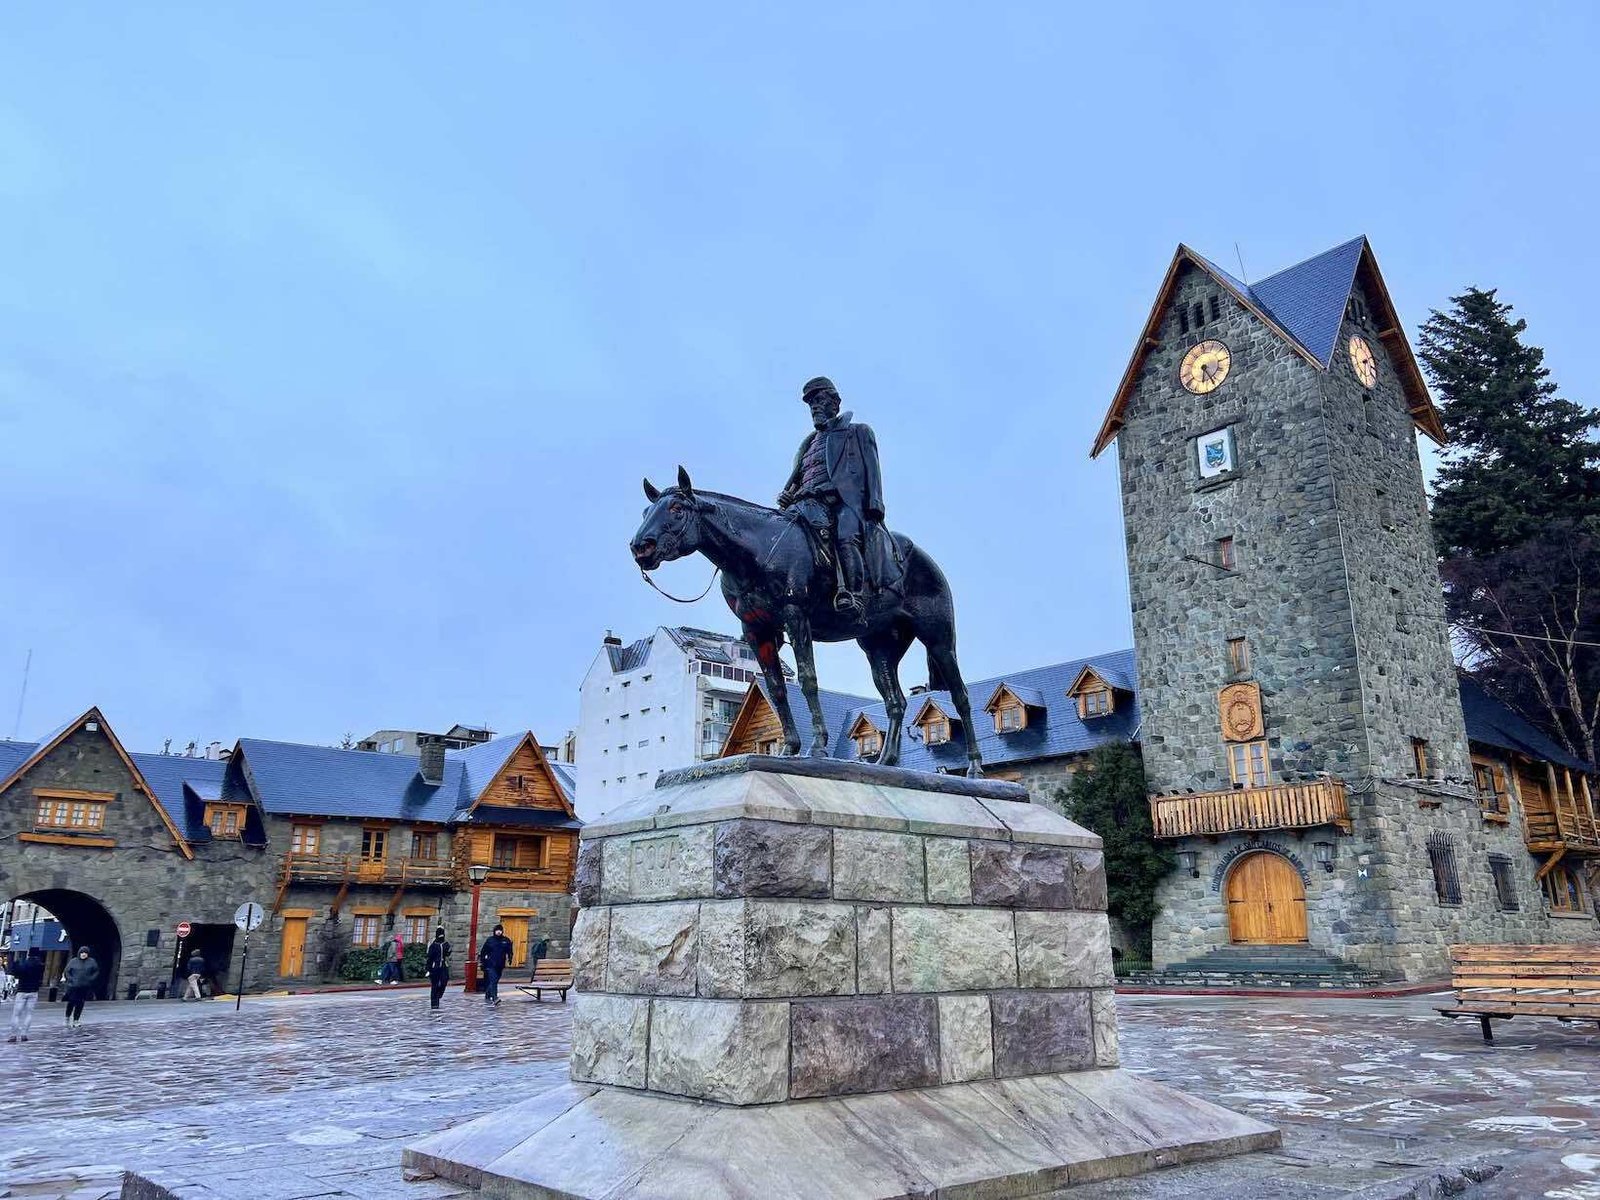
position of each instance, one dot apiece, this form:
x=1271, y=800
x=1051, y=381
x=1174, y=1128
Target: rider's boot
x=853, y=569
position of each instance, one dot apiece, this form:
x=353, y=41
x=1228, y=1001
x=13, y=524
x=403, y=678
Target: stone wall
x=869, y=938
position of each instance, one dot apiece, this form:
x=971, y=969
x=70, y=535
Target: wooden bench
x=1496, y=983
x=549, y=975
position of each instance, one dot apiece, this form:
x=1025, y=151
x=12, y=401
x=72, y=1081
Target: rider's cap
x=819, y=384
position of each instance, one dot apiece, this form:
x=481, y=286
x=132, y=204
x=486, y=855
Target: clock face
x=1204, y=367
x=1361, y=358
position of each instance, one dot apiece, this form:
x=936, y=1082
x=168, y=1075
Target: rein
x=679, y=599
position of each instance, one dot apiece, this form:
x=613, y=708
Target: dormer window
x=936, y=731
x=1009, y=718
x=1014, y=707
x=225, y=820
x=1095, y=702
x=936, y=724
x=1095, y=693
x=867, y=737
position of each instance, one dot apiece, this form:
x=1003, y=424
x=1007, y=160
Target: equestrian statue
x=819, y=567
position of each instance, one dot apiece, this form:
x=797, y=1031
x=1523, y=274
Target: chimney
x=431, y=763
x=611, y=639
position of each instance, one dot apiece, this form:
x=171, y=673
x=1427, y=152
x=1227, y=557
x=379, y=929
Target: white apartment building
x=664, y=701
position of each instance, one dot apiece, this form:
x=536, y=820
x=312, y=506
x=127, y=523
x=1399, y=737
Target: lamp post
x=477, y=872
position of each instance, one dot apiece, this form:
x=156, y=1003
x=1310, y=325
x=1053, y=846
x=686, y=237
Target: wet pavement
x=315, y=1095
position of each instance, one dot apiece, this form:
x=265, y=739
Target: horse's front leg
x=799, y=627
x=765, y=641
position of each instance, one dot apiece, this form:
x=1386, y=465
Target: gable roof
x=479, y=777
x=1494, y=723
x=1305, y=305
x=917, y=711
x=21, y=765
x=1029, y=697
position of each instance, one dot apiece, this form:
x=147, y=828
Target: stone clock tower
x=1302, y=728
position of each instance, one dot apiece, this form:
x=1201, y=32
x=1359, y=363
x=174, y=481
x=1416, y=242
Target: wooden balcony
x=349, y=869
x=534, y=879
x=1246, y=810
x=1557, y=811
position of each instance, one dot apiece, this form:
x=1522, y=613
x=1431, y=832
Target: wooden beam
x=1549, y=864
x=73, y=794
x=68, y=839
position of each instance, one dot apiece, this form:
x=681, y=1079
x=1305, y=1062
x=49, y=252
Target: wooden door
x=292, y=958
x=517, y=930
x=1266, y=902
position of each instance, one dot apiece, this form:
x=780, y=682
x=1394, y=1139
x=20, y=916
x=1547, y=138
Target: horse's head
x=670, y=528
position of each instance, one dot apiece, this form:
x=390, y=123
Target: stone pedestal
x=910, y=970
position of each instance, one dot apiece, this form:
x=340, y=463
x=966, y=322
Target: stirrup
x=846, y=602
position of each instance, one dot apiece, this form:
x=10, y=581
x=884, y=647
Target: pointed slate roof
x=1494, y=723
x=1304, y=304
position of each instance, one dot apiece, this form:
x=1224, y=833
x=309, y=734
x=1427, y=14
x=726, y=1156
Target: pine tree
x=1519, y=457
x=1108, y=797
x=1516, y=518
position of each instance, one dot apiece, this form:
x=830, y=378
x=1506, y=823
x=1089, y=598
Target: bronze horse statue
x=777, y=586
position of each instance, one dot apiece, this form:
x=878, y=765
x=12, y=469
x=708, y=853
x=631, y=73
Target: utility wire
x=1532, y=637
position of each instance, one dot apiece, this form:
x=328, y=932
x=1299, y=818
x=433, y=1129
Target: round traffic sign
x=184, y=928
x=249, y=916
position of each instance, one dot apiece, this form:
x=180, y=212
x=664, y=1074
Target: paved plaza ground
x=315, y=1095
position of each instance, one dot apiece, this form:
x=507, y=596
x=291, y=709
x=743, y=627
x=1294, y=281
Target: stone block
x=721, y=968
x=872, y=950
x=1038, y=824
x=1036, y=1032
x=872, y=865
x=591, y=936
x=1103, y=1010
x=731, y=1051
x=586, y=876
x=1089, y=880
x=660, y=865
x=949, y=866
x=865, y=1044
x=936, y=813
x=654, y=949
x=610, y=1038
x=799, y=948
x=966, y=1040
x=1063, y=950
x=953, y=950
x=770, y=858
x=1021, y=875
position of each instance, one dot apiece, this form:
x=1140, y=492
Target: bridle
x=694, y=515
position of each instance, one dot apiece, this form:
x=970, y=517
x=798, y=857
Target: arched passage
x=87, y=923
x=1266, y=900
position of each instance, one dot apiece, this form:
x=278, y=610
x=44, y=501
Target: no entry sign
x=184, y=928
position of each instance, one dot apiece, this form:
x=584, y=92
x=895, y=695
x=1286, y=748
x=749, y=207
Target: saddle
x=886, y=569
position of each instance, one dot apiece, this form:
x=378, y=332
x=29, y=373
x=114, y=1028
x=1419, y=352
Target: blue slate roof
x=1308, y=299
x=1493, y=723
x=329, y=782
x=1032, y=697
x=167, y=774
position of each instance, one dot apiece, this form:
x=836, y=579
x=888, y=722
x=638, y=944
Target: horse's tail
x=936, y=680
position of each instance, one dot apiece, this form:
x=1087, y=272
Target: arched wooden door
x=1266, y=901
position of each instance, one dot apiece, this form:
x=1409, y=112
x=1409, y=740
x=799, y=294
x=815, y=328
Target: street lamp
x=477, y=872
x=1323, y=853
x=1189, y=860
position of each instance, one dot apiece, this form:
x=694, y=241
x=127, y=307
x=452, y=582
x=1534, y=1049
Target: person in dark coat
x=837, y=486
x=494, y=958
x=438, y=967
x=540, y=949
x=29, y=974
x=196, y=971
x=80, y=977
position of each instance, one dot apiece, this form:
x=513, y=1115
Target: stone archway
x=87, y=923
x=1266, y=901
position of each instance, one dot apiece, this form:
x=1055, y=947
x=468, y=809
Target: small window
x=416, y=931
x=1183, y=319
x=1198, y=315
x=305, y=839
x=1096, y=702
x=1247, y=763
x=365, y=932
x=1505, y=888
x=1442, y=858
x=1563, y=891
x=78, y=815
x=374, y=845
x=770, y=746
x=1216, y=309
x=425, y=846
x=1491, y=787
x=515, y=783
x=225, y=820
x=868, y=743
x=645, y=678
x=1008, y=719
x=1420, y=758
x=1225, y=555
x=1238, y=656
x=937, y=731
x=1369, y=414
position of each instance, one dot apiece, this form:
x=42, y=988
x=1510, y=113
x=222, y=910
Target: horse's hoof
x=974, y=772
x=791, y=750
x=818, y=751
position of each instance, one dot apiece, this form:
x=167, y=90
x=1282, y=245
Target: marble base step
x=988, y=1139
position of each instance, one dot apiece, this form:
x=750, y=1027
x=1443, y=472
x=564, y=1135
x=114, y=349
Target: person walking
x=393, y=969
x=438, y=967
x=494, y=958
x=81, y=975
x=196, y=969
x=29, y=974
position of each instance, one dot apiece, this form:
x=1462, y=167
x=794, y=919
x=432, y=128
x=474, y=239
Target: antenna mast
x=1244, y=278
x=16, y=728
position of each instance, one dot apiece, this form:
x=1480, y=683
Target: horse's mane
x=736, y=501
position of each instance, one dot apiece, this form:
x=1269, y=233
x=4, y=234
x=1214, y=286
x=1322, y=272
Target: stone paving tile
x=321, y=1093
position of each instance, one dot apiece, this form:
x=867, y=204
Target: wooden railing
x=1281, y=806
x=349, y=868
x=528, y=877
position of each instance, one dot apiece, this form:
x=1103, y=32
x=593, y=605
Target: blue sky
x=334, y=340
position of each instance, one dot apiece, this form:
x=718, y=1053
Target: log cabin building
x=344, y=848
